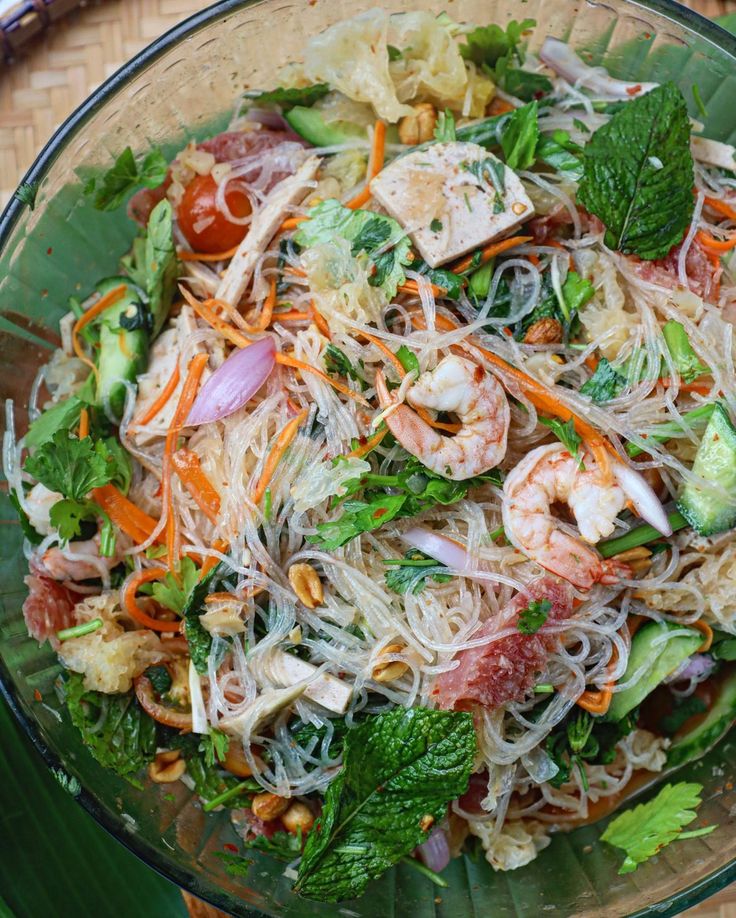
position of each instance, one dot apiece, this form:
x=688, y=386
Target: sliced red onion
x=434, y=853
x=232, y=384
x=648, y=505
x=695, y=669
x=437, y=546
x=560, y=57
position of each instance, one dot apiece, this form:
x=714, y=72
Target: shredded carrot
x=369, y=444
x=186, y=400
x=187, y=466
x=534, y=259
x=222, y=306
x=132, y=607
x=295, y=364
x=100, y=306
x=706, y=629
x=591, y=362
x=378, y=154
x=83, y=424
x=292, y=315
x=320, y=321
x=716, y=245
x=227, y=331
x=264, y=320
x=161, y=400
x=495, y=248
x=274, y=457
x=499, y=106
x=386, y=351
x=412, y=288
x=700, y=388
x=184, y=255
x=720, y=207
x=291, y=223
x=211, y=561
x=124, y=513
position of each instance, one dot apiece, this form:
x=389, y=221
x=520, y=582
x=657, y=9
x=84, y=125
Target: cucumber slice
x=657, y=658
x=714, y=725
x=310, y=124
x=709, y=512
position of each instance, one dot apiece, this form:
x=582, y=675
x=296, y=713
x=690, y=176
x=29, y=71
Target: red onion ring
x=648, y=505
x=560, y=57
x=438, y=546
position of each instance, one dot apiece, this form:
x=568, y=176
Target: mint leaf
x=381, y=238
x=110, y=189
x=411, y=573
x=567, y=435
x=71, y=466
x=520, y=136
x=644, y=830
x=288, y=98
x=534, y=616
x=159, y=678
x=605, y=384
x=565, y=156
x=400, y=770
x=646, y=209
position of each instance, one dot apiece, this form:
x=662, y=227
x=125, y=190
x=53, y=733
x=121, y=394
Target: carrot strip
x=124, y=513
x=83, y=423
x=320, y=321
x=295, y=364
x=264, y=320
x=386, y=351
x=411, y=287
x=184, y=255
x=274, y=457
x=187, y=466
x=706, y=629
x=495, y=248
x=716, y=245
x=720, y=207
x=186, y=400
x=210, y=561
x=378, y=155
x=700, y=388
x=499, y=106
x=111, y=297
x=291, y=223
x=204, y=312
x=132, y=607
x=292, y=315
x=369, y=444
x=161, y=400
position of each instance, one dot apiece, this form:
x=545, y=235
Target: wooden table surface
x=56, y=71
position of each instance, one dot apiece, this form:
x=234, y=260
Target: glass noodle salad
x=386, y=497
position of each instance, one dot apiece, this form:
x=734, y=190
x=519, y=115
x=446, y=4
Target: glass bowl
x=184, y=85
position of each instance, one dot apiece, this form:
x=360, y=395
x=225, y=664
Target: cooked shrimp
x=476, y=397
x=550, y=474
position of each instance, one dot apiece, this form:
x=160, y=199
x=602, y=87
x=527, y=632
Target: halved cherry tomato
x=171, y=717
x=204, y=225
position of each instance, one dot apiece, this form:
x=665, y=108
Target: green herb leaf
x=407, y=359
x=198, y=638
x=159, y=678
x=214, y=746
x=116, y=730
x=110, y=189
x=444, y=131
x=61, y=416
x=288, y=98
x=368, y=232
x=68, y=515
x=442, y=277
x=567, y=435
x=724, y=649
x=520, y=136
x=175, y=593
x=643, y=831
x=521, y=83
x=71, y=466
x=26, y=194
x=558, y=151
x=337, y=363
x=605, y=384
x=488, y=44
x=646, y=209
x=400, y=771
x=534, y=616
x=411, y=573
x=683, y=356
x=210, y=782
x=160, y=264
x=436, y=225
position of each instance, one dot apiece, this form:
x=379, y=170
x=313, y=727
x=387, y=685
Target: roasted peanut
x=297, y=817
x=419, y=127
x=544, y=331
x=167, y=767
x=268, y=806
x=426, y=822
x=235, y=761
x=307, y=585
x=388, y=672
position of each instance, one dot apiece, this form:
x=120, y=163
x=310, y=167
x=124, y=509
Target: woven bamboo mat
x=58, y=69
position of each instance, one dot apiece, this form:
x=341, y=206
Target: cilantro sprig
x=411, y=573
x=534, y=616
x=567, y=435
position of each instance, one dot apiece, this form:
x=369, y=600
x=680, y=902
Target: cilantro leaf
x=644, y=830
x=68, y=515
x=115, y=729
x=411, y=573
x=646, y=209
x=400, y=771
x=444, y=131
x=71, y=466
x=488, y=44
x=214, y=746
x=110, y=189
x=534, y=616
x=359, y=516
x=173, y=593
x=381, y=238
x=26, y=194
x=288, y=98
x=209, y=780
x=520, y=136
x=407, y=359
x=565, y=156
x=61, y=416
x=683, y=356
x=337, y=363
x=567, y=435
x=605, y=384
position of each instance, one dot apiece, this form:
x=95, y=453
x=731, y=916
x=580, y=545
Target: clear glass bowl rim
x=73, y=125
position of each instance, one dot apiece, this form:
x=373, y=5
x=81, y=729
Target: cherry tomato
x=146, y=696
x=198, y=206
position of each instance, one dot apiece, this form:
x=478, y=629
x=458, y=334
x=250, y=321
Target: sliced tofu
x=329, y=691
x=286, y=194
x=446, y=200
x=713, y=153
